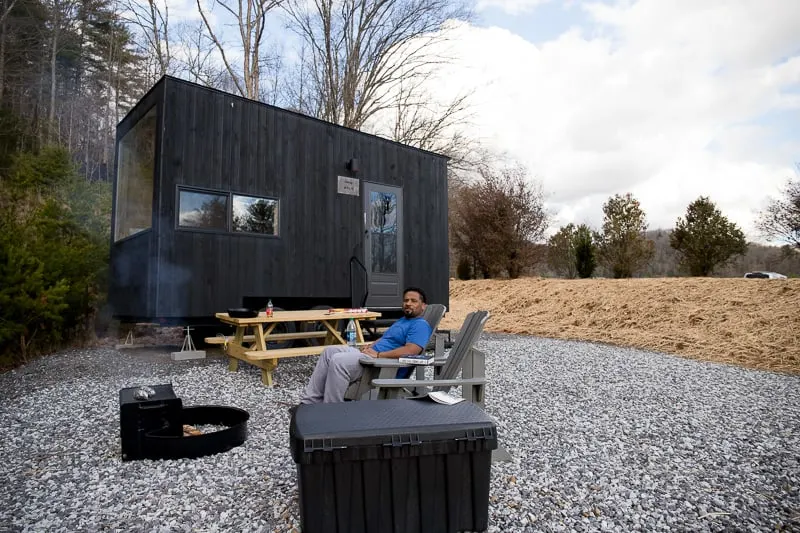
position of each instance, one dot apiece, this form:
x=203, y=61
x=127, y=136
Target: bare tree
x=61, y=17
x=152, y=21
x=251, y=17
x=358, y=51
x=497, y=220
x=5, y=9
x=780, y=220
x=198, y=50
x=421, y=122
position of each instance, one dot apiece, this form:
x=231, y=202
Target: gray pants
x=336, y=369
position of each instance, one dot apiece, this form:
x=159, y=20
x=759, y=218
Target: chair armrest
x=384, y=363
x=399, y=383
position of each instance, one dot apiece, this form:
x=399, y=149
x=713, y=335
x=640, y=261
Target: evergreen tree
x=623, y=247
x=561, y=252
x=54, y=233
x=705, y=239
x=585, y=261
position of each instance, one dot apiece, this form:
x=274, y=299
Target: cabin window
x=135, y=169
x=203, y=210
x=255, y=215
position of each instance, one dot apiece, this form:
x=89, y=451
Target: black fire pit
x=152, y=423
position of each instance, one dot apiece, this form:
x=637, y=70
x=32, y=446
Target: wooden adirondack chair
x=433, y=315
x=463, y=358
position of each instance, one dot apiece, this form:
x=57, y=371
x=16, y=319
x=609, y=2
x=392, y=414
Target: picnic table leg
x=268, y=365
x=333, y=336
x=266, y=371
x=359, y=331
x=238, y=338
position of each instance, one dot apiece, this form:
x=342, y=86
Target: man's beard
x=408, y=313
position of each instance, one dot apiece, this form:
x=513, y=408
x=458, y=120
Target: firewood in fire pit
x=190, y=431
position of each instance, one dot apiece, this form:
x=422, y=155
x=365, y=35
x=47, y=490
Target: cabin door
x=383, y=247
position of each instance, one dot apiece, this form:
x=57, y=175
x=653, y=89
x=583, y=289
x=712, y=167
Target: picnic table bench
x=253, y=347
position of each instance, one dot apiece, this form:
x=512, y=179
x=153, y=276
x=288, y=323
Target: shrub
x=464, y=268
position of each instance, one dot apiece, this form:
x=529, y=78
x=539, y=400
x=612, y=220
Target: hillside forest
x=70, y=70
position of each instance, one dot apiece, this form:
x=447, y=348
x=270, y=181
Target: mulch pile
x=749, y=322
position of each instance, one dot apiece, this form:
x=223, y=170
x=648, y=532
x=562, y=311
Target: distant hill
x=781, y=259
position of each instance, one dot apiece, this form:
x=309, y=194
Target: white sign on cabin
x=347, y=186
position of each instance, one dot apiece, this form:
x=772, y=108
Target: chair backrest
x=433, y=315
x=470, y=331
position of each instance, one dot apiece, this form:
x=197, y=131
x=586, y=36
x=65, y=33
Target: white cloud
x=187, y=10
x=667, y=99
x=510, y=6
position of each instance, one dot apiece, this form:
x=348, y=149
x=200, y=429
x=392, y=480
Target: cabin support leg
x=188, y=350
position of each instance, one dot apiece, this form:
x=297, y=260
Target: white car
x=764, y=275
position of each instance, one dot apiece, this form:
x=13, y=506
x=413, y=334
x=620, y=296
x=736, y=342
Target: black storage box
x=160, y=412
x=393, y=466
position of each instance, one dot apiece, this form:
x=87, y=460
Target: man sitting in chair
x=338, y=366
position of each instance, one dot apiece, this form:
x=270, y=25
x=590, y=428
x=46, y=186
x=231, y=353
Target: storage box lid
x=389, y=424
x=160, y=394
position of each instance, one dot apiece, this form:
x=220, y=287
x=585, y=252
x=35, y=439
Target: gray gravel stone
x=603, y=439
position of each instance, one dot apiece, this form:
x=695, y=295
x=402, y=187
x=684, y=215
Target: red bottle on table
x=269, y=308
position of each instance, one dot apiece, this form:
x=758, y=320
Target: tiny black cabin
x=222, y=202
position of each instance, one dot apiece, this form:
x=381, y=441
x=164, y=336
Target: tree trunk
x=39, y=106
x=114, y=64
x=69, y=127
x=2, y=57
x=51, y=112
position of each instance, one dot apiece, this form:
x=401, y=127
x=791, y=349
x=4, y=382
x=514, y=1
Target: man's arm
x=416, y=339
x=408, y=349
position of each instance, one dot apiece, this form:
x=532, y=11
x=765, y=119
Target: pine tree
x=622, y=245
x=561, y=252
x=585, y=262
x=705, y=239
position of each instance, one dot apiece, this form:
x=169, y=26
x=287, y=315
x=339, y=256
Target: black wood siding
x=133, y=260
x=130, y=279
x=220, y=142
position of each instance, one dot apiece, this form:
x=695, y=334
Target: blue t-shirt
x=402, y=332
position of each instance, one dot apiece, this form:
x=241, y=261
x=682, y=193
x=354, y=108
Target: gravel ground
x=603, y=439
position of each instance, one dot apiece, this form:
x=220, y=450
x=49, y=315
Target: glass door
x=384, y=245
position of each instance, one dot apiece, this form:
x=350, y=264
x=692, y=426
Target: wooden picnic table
x=252, y=347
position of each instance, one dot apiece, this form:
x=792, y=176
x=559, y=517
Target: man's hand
x=369, y=351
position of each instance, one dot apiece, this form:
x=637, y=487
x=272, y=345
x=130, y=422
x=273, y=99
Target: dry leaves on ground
x=748, y=322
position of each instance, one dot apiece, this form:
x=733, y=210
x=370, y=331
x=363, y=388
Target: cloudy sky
x=666, y=99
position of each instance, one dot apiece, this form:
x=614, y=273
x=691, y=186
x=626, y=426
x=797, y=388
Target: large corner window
x=255, y=215
x=202, y=210
x=136, y=165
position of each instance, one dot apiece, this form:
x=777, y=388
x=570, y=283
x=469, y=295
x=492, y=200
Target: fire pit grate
x=152, y=422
